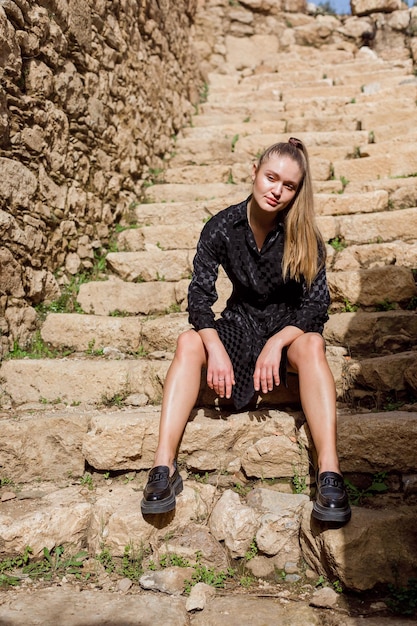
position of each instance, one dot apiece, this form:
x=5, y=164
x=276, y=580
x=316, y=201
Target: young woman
x=274, y=255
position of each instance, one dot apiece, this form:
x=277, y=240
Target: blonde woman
x=273, y=253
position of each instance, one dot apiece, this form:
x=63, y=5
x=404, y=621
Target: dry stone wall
x=92, y=94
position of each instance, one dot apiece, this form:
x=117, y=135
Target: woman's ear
x=254, y=170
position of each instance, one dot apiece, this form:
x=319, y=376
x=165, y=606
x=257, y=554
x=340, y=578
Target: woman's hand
x=266, y=372
x=220, y=375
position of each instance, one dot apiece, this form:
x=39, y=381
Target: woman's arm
x=267, y=365
x=220, y=375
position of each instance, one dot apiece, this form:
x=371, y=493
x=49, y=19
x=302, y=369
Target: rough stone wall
x=91, y=94
x=226, y=32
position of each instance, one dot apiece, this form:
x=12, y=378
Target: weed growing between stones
x=349, y=307
x=357, y=495
x=403, y=600
x=35, y=349
x=338, y=243
x=54, y=565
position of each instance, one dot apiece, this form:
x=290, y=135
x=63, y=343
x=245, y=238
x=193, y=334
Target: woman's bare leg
x=181, y=389
x=318, y=396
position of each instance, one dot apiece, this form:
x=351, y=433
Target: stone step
x=177, y=192
x=100, y=333
x=326, y=138
x=122, y=379
x=372, y=287
x=105, y=513
x=163, y=236
x=367, y=256
x=398, y=161
x=117, y=297
x=152, y=264
x=379, y=226
x=269, y=444
x=352, y=74
x=162, y=213
x=361, y=334
x=366, y=224
x=268, y=122
x=358, y=103
x=373, y=333
x=360, y=287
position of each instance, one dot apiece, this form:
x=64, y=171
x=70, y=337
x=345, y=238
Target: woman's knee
x=190, y=345
x=307, y=347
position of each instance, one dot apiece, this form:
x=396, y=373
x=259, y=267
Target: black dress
x=261, y=303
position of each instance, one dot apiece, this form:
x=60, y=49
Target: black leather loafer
x=160, y=491
x=332, y=504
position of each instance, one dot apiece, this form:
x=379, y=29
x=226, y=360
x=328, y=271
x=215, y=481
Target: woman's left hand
x=266, y=372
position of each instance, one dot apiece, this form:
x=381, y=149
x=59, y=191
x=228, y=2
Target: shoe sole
x=163, y=506
x=324, y=514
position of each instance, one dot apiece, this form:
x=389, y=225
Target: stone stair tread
x=100, y=436
x=145, y=298
x=374, y=227
x=152, y=264
x=164, y=236
x=373, y=333
x=371, y=287
x=401, y=161
x=379, y=332
x=312, y=139
x=369, y=255
x=177, y=192
x=161, y=213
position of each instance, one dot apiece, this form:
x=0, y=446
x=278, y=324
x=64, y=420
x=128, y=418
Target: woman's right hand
x=220, y=375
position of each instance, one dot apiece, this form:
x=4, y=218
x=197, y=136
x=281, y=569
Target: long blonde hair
x=304, y=249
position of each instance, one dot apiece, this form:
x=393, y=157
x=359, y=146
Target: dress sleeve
x=202, y=293
x=311, y=315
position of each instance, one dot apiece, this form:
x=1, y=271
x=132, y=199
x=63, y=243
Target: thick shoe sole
x=325, y=514
x=153, y=507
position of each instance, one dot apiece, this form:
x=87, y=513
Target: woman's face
x=275, y=183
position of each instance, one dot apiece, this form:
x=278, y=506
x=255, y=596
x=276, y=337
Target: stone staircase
x=97, y=409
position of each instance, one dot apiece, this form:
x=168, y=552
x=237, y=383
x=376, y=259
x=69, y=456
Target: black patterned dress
x=261, y=303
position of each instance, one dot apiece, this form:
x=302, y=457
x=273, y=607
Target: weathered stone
x=382, y=440
x=279, y=525
x=193, y=540
x=263, y=449
x=372, y=333
x=60, y=518
x=364, y=286
x=81, y=380
x=234, y=523
x=376, y=546
x=116, y=520
x=170, y=580
x=18, y=184
x=10, y=274
x=92, y=332
x=365, y=7
x=199, y=595
x=251, y=51
x=162, y=333
x=108, y=297
x=384, y=374
x=150, y=265
x=410, y=376
x=43, y=446
x=227, y=611
x=325, y=597
x=56, y=604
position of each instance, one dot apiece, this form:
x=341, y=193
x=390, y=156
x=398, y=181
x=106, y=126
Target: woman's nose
x=277, y=191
